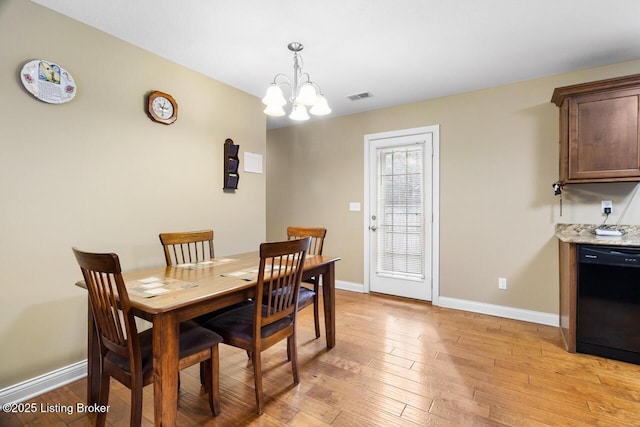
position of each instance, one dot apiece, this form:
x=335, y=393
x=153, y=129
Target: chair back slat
x=103, y=291
x=187, y=246
x=109, y=301
x=317, y=235
x=279, y=278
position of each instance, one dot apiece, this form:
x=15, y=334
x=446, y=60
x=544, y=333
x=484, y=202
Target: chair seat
x=239, y=323
x=193, y=339
x=305, y=295
x=200, y=320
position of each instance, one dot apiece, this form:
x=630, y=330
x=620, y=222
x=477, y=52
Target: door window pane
x=400, y=236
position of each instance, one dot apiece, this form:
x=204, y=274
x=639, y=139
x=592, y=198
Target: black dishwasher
x=608, y=305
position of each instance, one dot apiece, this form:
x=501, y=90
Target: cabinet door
x=604, y=136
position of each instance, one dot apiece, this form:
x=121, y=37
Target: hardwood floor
x=397, y=362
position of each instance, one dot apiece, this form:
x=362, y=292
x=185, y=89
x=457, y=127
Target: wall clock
x=162, y=108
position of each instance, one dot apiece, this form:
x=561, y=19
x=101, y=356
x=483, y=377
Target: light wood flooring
x=397, y=362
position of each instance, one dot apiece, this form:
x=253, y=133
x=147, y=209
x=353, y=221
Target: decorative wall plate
x=48, y=82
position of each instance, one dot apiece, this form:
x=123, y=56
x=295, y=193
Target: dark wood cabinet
x=568, y=293
x=600, y=130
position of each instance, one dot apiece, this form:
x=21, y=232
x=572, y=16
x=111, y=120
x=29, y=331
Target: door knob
x=373, y=228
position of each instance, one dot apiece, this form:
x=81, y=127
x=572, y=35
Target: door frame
x=435, y=203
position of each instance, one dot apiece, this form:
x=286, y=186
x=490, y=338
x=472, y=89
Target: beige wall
x=498, y=160
x=98, y=174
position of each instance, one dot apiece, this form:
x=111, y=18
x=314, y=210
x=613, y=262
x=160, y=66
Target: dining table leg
x=329, y=299
x=165, y=368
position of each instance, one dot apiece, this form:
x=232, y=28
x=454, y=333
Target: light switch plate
x=354, y=207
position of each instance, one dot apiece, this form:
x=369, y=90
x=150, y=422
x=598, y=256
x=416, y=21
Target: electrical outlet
x=502, y=283
x=607, y=207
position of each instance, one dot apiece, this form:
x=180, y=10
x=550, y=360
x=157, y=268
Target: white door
x=400, y=211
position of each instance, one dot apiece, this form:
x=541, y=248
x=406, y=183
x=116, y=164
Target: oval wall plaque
x=48, y=82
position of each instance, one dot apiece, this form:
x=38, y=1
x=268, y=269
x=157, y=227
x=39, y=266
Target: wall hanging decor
x=162, y=108
x=231, y=164
x=48, y=82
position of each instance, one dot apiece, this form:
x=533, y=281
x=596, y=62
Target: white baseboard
x=44, y=383
x=477, y=307
x=501, y=311
x=350, y=286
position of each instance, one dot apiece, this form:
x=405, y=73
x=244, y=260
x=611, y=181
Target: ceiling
x=400, y=51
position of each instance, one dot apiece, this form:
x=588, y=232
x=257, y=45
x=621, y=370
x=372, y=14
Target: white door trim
x=435, y=192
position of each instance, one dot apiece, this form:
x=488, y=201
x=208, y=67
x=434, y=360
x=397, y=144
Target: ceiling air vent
x=361, y=95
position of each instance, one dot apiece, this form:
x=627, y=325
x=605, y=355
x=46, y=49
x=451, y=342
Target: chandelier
x=304, y=92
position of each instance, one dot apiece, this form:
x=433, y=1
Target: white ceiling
x=399, y=50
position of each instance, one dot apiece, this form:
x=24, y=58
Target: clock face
x=162, y=107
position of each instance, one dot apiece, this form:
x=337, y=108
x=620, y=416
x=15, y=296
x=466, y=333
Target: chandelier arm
x=286, y=81
x=317, y=86
x=312, y=83
x=308, y=80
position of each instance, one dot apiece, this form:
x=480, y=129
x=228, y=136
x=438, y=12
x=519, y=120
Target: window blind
x=400, y=237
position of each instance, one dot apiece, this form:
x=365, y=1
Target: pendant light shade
x=321, y=107
x=274, y=110
x=299, y=113
x=274, y=96
x=307, y=95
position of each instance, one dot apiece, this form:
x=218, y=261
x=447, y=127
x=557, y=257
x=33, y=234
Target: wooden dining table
x=169, y=295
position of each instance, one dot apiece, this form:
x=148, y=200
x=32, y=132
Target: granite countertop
x=585, y=234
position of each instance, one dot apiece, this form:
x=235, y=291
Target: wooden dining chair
x=257, y=327
x=187, y=246
x=309, y=294
x=127, y=355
